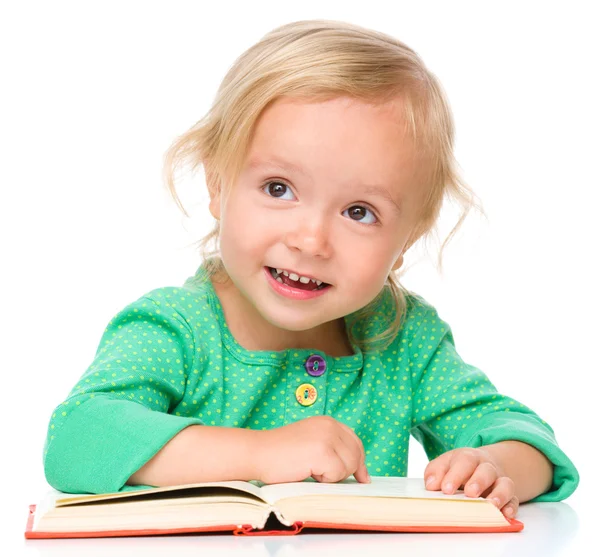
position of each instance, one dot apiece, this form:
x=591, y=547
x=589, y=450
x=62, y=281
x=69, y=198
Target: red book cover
x=246, y=530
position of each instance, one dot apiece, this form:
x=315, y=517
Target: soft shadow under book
x=251, y=508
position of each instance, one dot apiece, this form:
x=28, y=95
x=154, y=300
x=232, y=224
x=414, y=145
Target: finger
x=436, y=470
x=502, y=492
x=353, y=456
x=340, y=462
x=511, y=508
x=349, y=436
x=362, y=474
x=484, y=476
x=462, y=466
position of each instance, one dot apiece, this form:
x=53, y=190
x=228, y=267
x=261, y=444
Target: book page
x=59, y=499
x=380, y=486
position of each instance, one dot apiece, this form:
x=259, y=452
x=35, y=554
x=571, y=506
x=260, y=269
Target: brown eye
x=276, y=189
x=358, y=212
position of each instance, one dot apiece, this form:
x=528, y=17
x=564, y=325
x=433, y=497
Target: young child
x=294, y=352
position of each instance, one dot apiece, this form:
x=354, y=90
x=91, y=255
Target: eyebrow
x=290, y=167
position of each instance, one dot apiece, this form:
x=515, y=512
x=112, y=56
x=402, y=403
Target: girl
x=294, y=352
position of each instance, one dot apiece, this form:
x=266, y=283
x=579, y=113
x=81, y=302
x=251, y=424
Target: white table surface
x=550, y=529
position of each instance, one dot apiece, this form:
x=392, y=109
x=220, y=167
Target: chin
x=291, y=324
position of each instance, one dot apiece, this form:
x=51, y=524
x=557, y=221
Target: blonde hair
x=319, y=60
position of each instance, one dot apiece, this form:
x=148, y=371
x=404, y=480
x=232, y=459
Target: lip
x=290, y=292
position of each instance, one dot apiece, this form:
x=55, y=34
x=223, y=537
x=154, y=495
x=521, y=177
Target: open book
x=252, y=508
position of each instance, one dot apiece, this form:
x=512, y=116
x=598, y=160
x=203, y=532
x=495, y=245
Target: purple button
x=315, y=365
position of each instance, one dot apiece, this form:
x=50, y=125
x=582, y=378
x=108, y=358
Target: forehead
x=349, y=139
x=287, y=115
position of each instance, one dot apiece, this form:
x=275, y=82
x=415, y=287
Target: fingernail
x=496, y=501
x=448, y=486
x=508, y=511
x=474, y=488
x=368, y=477
x=429, y=481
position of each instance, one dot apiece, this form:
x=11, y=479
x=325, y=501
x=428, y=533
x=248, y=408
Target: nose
x=308, y=234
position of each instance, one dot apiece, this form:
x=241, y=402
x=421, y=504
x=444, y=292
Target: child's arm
x=318, y=447
x=456, y=409
x=202, y=454
x=127, y=404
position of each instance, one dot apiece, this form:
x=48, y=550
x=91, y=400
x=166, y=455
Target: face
x=329, y=191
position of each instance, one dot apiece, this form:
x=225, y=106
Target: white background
x=93, y=93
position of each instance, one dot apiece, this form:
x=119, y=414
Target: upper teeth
x=294, y=276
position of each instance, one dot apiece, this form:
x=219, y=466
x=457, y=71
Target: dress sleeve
x=455, y=405
x=118, y=416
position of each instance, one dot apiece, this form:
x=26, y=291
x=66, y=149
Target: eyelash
x=265, y=187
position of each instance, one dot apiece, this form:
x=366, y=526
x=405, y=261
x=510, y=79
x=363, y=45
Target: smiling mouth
x=295, y=281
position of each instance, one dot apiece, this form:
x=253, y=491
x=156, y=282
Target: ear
x=398, y=263
x=214, y=190
x=215, y=204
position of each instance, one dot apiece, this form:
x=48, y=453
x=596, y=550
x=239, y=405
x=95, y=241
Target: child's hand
x=480, y=475
x=318, y=447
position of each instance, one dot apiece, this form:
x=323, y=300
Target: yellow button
x=306, y=394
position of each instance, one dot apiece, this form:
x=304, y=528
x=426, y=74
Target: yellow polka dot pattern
x=171, y=352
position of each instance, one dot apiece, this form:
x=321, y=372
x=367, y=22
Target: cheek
x=371, y=258
x=242, y=233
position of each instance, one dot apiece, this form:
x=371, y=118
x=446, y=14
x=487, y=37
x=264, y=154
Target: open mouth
x=296, y=281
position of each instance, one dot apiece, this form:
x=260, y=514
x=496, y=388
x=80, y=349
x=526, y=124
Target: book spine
x=248, y=530
x=281, y=518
